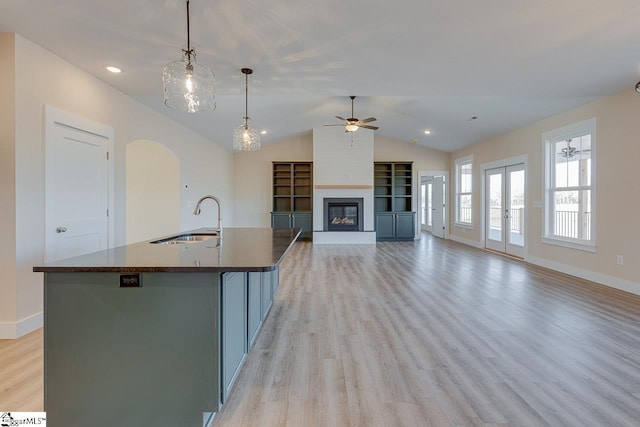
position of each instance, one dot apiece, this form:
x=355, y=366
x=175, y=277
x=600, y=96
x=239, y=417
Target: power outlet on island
x=131, y=280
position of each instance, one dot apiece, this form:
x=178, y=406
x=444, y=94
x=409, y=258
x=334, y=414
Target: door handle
x=61, y=229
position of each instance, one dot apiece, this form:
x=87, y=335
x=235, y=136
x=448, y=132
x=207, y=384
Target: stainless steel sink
x=185, y=238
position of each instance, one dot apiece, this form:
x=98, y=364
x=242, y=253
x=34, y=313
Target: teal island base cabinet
x=154, y=334
x=164, y=354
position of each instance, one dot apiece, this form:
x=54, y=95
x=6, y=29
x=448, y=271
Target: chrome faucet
x=196, y=211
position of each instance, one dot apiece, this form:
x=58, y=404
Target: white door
x=76, y=186
x=438, y=209
x=426, y=188
x=504, y=216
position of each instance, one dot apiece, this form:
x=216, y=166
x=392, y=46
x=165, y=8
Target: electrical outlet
x=131, y=280
x=619, y=259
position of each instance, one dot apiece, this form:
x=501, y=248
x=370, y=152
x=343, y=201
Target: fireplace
x=343, y=214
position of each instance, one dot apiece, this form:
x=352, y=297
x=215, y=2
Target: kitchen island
x=155, y=333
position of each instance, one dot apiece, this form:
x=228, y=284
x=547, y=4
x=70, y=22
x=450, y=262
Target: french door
x=505, y=210
x=432, y=190
x=426, y=187
x=438, y=206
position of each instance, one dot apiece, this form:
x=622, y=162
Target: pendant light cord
x=189, y=52
x=246, y=100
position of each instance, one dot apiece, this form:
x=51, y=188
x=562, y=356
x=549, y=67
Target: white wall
x=7, y=187
x=42, y=78
x=153, y=191
x=340, y=160
x=618, y=152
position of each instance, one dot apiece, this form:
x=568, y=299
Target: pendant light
x=188, y=85
x=245, y=137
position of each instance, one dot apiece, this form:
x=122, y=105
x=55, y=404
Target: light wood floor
x=418, y=334
x=21, y=374
x=438, y=333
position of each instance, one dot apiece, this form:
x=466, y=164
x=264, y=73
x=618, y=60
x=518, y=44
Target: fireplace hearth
x=343, y=214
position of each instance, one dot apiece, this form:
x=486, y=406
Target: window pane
x=465, y=208
x=465, y=178
x=572, y=217
x=573, y=162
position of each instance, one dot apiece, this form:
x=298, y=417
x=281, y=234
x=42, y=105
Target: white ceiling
x=414, y=64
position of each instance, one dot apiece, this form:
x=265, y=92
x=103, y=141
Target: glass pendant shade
x=246, y=138
x=189, y=86
x=351, y=128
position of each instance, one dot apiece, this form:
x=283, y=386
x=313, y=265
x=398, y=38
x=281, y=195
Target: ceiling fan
x=352, y=124
x=570, y=152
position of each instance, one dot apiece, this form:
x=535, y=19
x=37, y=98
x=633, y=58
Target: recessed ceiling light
x=114, y=70
x=264, y=132
x=472, y=118
x=427, y=132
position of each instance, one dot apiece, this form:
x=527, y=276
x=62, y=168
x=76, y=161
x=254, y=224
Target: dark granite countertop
x=243, y=249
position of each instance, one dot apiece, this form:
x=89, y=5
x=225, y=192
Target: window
x=569, y=171
x=464, y=184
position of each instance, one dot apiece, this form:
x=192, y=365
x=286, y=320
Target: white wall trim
x=12, y=330
x=603, y=279
x=467, y=242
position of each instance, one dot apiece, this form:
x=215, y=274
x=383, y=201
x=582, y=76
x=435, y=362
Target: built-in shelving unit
x=393, y=200
x=293, y=196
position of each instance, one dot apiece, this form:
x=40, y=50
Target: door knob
x=61, y=229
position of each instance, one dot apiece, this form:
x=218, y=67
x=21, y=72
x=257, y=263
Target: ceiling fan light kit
x=188, y=85
x=245, y=137
x=638, y=87
x=352, y=124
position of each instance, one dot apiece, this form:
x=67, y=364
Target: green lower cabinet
x=395, y=226
x=267, y=293
x=281, y=220
x=254, y=309
x=302, y=220
x=385, y=226
x=130, y=357
x=234, y=328
x=275, y=282
x=405, y=226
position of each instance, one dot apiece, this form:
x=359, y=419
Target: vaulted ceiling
x=414, y=64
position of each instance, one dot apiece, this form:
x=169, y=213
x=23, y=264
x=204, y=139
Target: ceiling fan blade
x=368, y=127
x=370, y=119
x=341, y=118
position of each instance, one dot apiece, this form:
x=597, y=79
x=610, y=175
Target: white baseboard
x=467, y=242
x=12, y=330
x=603, y=279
